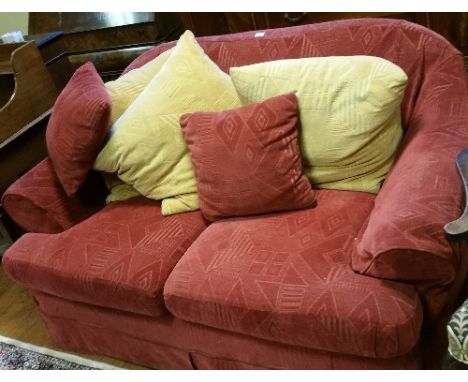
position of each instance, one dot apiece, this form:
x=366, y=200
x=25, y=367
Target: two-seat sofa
x=360, y=281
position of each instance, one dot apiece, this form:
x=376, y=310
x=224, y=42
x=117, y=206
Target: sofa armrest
x=38, y=203
x=404, y=238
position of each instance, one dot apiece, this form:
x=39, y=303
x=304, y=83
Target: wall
x=14, y=21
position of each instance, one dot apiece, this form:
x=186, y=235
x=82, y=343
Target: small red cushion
x=247, y=160
x=78, y=127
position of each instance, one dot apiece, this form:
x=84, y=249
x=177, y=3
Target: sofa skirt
x=166, y=342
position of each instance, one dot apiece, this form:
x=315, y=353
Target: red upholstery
x=406, y=228
x=247, y=160
x=155, y=342
x=38, y=203
x=119, y=258
x=78, y=127
x=286, y=277
x=404, y=237
x=400, y=239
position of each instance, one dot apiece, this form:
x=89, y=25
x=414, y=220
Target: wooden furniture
x=111, y=40
x=452, y=26
x=22, y=118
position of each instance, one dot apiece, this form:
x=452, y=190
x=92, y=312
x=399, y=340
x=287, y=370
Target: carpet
x=18, y=355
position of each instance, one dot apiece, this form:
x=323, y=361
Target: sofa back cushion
x=398, y=41
x=146, y=147
x=125, y=89
x=349, y=109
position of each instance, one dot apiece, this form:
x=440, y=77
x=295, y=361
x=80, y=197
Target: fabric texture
x=125, y=89
x=38, y=203
x=167, y=342
x=78, y=127
x=286, y=277
x=247, y=160
x=350, y=114
x=403, y=238
x=146, y=146
x=434, y=101
x=120, y=257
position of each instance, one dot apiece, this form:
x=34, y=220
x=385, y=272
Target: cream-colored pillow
x=146, y=147
x=125, y=89
x=349, y=111
x=118, y=189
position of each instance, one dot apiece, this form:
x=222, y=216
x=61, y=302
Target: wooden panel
x=109, y=63
x=103, y=39
x=45, y=22
x=18, y=156
x=34, y=91
x=108, y=39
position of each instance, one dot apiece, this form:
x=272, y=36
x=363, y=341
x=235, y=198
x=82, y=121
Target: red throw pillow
x=78, y=127
x=247, y=160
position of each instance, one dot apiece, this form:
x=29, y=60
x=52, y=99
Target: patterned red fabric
x=38, y=203
x=152, y=342
x=404, y=238
x=286, y=277
x=120, y=257
x=401, y=42
x=78, y=127
x=434, y=105
x=247, y=160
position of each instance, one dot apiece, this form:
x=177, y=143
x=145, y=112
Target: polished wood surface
x=24, y=116
x=20, y=319
x=44, y=22
x=34, y=92
x=110, y=40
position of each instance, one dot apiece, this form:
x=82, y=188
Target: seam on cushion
x=374, y=324
x=279, y=313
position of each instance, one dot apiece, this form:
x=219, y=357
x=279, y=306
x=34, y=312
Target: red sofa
x=358, y=282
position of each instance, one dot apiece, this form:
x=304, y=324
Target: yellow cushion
x=118, y=189
x=125, y=89
x=146, y=147
x=349, y=111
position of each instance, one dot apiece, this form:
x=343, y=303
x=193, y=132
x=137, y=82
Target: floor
x=19, y=319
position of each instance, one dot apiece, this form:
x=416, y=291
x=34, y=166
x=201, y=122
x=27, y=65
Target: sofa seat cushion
x=119, y=258
x=286, y=277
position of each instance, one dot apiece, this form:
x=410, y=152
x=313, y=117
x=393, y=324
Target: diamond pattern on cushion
x=119, y=258
x=286, y=277
x=247, y=160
